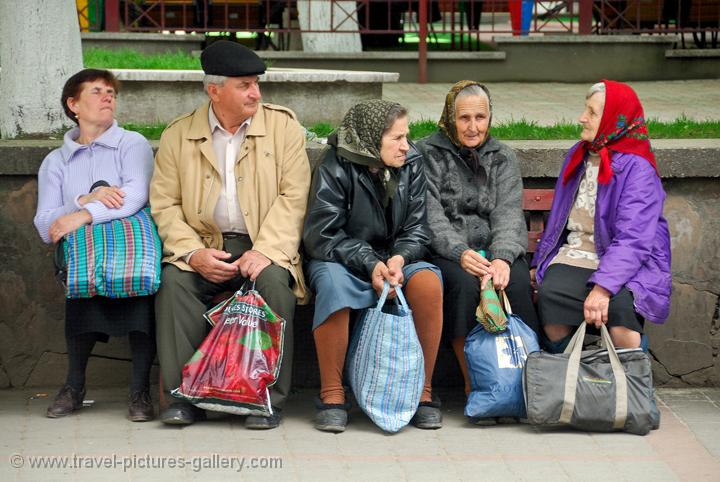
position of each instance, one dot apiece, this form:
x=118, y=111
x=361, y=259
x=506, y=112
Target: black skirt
x=110, y=316
x=562, y=294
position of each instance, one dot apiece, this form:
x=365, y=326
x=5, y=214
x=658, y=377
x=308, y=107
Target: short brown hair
x=73, y=86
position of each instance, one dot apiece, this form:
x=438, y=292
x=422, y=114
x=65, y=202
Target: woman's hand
x=475, y=264
x=395, y=267
x=68, y=223
x=533, y=279
x=380, y=274
x=110, y=196
x=500, y=273
x=596, y=305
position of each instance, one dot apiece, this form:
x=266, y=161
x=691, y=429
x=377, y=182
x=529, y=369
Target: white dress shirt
x=228, y=212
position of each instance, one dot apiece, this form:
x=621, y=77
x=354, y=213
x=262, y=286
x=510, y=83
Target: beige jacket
x=273, y=179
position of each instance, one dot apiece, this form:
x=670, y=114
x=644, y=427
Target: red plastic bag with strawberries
x=238, y=360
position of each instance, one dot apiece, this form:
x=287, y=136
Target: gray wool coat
x=465, y=214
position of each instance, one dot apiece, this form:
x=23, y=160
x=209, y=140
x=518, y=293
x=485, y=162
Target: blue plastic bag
x=385, y=366
x=495, y=364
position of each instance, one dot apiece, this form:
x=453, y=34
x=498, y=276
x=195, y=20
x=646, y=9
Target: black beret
x=231, y=60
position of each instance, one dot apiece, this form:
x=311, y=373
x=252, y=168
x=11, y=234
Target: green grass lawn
x=132, y=59
x=681, y=128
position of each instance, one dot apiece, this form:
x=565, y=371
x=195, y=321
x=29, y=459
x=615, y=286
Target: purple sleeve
x=136, y=160
x=50, y=196
x=639, y=208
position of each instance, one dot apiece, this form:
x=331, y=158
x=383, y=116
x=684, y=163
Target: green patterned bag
x=489, y=312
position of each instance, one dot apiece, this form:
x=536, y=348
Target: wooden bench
x=536, y=204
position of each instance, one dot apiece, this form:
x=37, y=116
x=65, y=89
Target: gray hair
x=598, y=88
x=396, y=112
x=472, y=91
x=213, y=79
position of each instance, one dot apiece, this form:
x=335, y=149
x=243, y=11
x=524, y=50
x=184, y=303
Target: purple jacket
x=631, y=234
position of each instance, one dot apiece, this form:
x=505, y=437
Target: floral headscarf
x=622, y=129
x=447, y=119
x=359, y=136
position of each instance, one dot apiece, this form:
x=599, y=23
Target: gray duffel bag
x=598, y=391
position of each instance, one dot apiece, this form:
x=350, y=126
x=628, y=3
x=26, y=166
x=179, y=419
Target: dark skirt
x=462, y=295
x=109, y=316
x=562, y=294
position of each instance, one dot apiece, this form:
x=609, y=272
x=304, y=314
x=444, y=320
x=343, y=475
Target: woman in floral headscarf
x=365, y=225
x=605, y=255
x=475, y=213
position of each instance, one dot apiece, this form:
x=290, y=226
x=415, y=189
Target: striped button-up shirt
x=119, y=157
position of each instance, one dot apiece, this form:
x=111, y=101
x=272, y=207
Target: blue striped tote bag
x=386, y=366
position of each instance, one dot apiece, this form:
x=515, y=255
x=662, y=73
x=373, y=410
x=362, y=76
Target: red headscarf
x=622, y=129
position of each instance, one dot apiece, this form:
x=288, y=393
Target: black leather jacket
x=346, y=221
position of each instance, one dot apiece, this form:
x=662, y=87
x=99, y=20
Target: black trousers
x=462, y=295
x=561, y=298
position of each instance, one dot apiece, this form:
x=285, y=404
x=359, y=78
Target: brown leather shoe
x=66, y=402
x=140, y=407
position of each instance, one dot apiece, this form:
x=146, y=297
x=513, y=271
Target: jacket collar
x=200, y=124
x=110, y=139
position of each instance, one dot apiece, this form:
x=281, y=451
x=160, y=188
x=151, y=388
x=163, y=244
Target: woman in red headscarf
x=605, y=253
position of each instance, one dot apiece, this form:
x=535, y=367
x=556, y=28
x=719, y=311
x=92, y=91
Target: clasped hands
x=213, y=266
x=390, y=271
x=477, y=265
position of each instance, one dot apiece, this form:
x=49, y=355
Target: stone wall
x=685, y=349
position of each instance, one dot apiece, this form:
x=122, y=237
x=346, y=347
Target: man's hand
x=251, y=264
x=475, y=264
x=68, y=223
x=211, y=265
x=395, y=267
x=110, y=196
x=596, y=305
x=500, y=274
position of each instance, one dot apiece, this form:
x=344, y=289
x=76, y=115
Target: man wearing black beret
x=228, y=195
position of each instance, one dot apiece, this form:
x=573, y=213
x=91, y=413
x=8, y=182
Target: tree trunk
x=39, y=49
x=321, y=15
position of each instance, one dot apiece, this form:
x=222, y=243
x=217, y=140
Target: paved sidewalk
x=686, y=447
x=548, y=103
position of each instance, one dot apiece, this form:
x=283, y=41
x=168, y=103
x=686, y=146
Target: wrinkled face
x=237, y=99
x=95, y=104
x=394, y=144
x=472, y=118
x=591, y=116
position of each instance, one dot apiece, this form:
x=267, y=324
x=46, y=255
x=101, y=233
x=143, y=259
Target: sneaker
x=140, y=407
x=257, y=422
x=428, y=416
x=66, y=402
x=331, y=417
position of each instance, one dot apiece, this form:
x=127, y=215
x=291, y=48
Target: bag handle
x=574, y=348
x=506, y=302
x=399, y=300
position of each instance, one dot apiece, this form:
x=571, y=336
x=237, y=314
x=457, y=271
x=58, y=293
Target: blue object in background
x=527, y=15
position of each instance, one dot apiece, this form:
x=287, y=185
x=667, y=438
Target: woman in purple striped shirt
x=102, y=172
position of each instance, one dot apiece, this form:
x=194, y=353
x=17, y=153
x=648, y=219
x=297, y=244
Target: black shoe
x=428, y=416
x=140, y=407
x=331, y=417
x=257, y=422
x=182, y=413
x=66, y=402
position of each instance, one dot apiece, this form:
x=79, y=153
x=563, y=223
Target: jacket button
x=245, y=213
x=199, y=211
x=240, y=178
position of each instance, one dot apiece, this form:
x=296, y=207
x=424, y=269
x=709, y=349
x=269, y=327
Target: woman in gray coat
x=474, y=206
